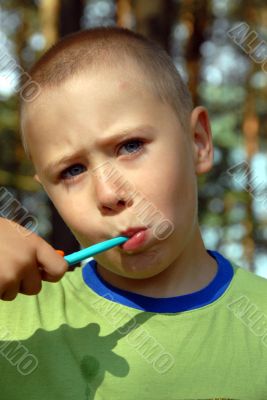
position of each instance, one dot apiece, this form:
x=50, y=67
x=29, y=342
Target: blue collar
x=190, y=301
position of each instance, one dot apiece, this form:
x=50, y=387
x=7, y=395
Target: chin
x=144, y=276
x=137, y=273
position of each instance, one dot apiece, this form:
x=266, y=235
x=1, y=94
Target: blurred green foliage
x=227, y=80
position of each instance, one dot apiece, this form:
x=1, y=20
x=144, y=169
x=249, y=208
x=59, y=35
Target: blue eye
x=129, y=144
x=72, y=171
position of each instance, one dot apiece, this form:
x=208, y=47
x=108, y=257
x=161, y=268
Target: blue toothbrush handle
x=81, y=255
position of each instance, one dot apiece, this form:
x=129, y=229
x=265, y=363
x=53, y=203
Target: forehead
x=88, y=91
x=75, y=114
x=101, y=80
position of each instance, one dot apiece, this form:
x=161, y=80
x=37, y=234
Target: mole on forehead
x=134, y=84
x=124, y=85
x=131, y=86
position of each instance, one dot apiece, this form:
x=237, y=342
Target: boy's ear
x=36, y=177
x=201, y=140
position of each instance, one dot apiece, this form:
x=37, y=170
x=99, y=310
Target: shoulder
x=249, y=289
x=250, y=279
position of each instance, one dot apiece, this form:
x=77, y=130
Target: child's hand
x=25, y=260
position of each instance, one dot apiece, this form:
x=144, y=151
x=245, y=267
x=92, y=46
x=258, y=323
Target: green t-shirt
x=83, y=339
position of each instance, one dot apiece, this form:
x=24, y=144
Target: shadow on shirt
x=64, y=363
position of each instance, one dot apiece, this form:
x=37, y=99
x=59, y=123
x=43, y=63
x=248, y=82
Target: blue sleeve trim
x=191, y=301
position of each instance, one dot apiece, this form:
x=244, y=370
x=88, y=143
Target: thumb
x=51, y=264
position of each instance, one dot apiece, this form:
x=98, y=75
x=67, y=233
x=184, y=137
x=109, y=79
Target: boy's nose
x=108, y=195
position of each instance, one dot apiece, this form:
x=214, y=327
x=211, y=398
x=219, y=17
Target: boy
x=160, y=317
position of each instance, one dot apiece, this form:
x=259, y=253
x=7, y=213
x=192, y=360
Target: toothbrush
x=90, y=251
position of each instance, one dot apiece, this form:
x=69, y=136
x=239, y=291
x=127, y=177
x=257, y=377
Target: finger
x=47, y=277
x=53, y=265
x=31, y=283
x=11, y=292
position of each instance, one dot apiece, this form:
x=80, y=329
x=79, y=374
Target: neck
x=191, y=271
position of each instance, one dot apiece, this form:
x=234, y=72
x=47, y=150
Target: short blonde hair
x=110, y=46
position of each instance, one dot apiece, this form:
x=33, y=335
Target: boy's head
x=110, y=81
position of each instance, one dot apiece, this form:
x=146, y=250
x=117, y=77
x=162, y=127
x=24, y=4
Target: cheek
x=76, y=214
x=176, y=192
x=81, y=221
x=70, y=207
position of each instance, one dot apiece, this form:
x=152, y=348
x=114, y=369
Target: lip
x=132, y=231
x=137, y=238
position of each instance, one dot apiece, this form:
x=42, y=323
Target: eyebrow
x=102, y=142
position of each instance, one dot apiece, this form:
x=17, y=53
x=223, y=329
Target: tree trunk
x=155, y=19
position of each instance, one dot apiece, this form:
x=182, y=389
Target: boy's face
x=160, y=162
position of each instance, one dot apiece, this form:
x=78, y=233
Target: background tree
x=221, y=76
